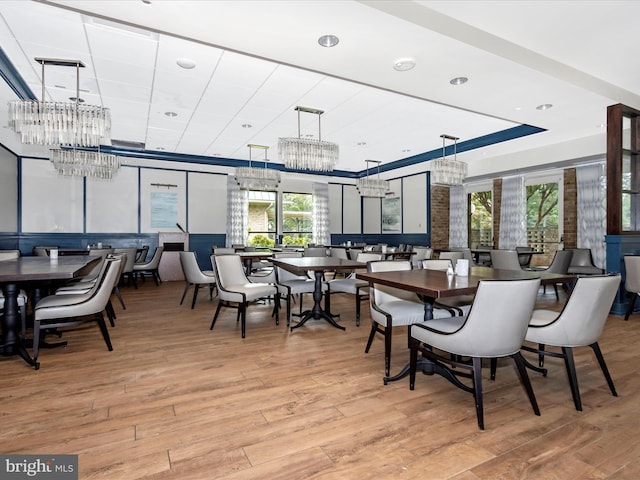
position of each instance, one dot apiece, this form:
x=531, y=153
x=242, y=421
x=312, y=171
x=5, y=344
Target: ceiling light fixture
x=171, y=114
x=404, y=64
x=544, y=106
x=445, y=172
x=85, y=163
x=372, y=187
x=253, y=178
x=59, y=123
x=186, y=63
x=458, y=81
x=305, y=153
x=328, y=41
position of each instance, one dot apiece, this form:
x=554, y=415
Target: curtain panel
x=513, y=213
x=592, y=210
x=321, y=233
x=237, y=213
x=458, y=218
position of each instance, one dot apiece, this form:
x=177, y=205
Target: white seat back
x=505, y=260
x=382, y=293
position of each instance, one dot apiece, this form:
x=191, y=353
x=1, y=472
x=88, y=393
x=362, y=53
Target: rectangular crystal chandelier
x=448, y=173
x=370, y=186
x=254, y=178
x=308, y=154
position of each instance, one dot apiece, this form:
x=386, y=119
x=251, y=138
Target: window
x=262, y=219
x=481, y=217
x=544, y=217
x=297, y=218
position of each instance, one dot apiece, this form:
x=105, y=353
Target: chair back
x=453, y=256
x=632, y=279
x=496, y=325
x=582, y=257
x=224, y=251
x=524, y=260
x=142, y=256
x=155, y=260
x=422, y=253
x=436, y=264
x=127, y=266
x=42, y=250
x=229, y=271
x=383, y=293
x=581, y=321
x=315, y=252
x=466, y=254
x=191, y=269
x=561, y=262
x=9, y=254
x=338, y=253
x=505, y=259
x=100, y=252
x=366, y=257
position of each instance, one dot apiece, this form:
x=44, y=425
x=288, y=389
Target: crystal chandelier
x=253, y=178
x=85, y=163
x=445, y=172
x=305, y=153
x=372, y=187
x=59, y=123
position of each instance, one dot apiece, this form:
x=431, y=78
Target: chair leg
x=195, y=295
x=603, y=367
x=243, y=315
x=156, y=277
x=357, y=307
x=555, y=287
x=184, y=294
x=215, y=316
x=36, y=342
x=541, y=355
x=288, y=309
x=526, y=383
x=632, y=302
x=371, y=335
x=103, y=329
x=494, y=367
x=111, y=313
x=387, y=349
x=573, y=378
x=477, y=390
x=276, y=304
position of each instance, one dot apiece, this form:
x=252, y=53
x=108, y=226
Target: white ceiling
x=257, y=60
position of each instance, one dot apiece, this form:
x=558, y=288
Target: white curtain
x=321, y=233
x=458, y=231
x=513, y=213
x=237, y=213
x=592, y=210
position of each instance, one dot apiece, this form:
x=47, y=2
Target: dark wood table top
x=25, y=269
x=304, y=264
x=437, y=284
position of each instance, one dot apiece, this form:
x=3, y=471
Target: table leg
x=317, y=312
x=248, y=262
x=11, y=343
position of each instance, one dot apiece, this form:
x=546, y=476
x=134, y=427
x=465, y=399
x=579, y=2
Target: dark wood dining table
x=318, y=265
x=430, y=285
x=248, y=258
x=30, y=270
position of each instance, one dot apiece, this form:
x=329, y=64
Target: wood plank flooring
x=175, y=400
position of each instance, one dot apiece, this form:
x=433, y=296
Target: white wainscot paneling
x=112, y=205
x=50, y=202
x=151, y=187
x=372, y=218
x=207, y=203
x=335, y=208
x=8, y=191
x=351, y=210
x=414, y=200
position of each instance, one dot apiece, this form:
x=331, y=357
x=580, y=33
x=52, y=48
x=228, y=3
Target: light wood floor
x=175, y=400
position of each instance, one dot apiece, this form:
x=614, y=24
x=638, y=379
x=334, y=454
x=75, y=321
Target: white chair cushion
x=348, y=285
x=404, y=312
x=252, y=291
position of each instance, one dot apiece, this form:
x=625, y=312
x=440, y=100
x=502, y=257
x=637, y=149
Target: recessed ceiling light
x=247, y=125
x=518, y=108
x=406, y=150
x=328, y=40
x=171, y=114
x=186, y=63
x=361, y=144
x=544, y=106
x=73, y=99
x=404, y=64
x=146, y=2
x=458, y=81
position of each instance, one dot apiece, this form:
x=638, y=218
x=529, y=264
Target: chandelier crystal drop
x=370, y=186
x=448, y=173
x=299, y=153
x=85, y=163
x=59, y=123
x=254, y=178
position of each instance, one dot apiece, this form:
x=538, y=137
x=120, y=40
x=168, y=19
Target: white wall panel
x=112, y=205
x=50, y=202
x=335, y=208
x=351, y=210
x=372, y=215
x=414, y=201
x=178, y=181
x=207, y=203
x=8, y=191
